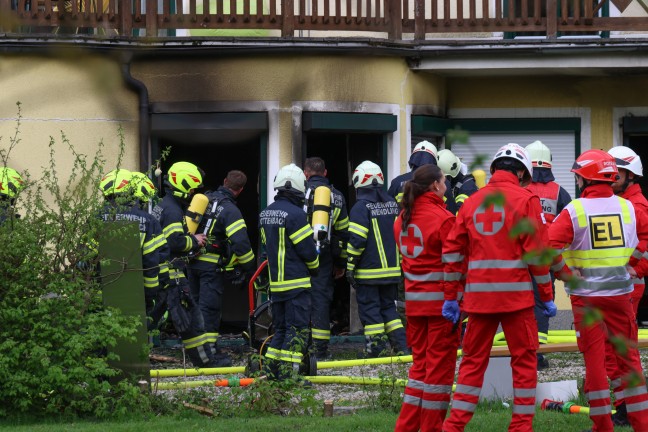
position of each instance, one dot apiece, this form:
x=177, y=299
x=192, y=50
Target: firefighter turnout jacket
x=180, y=243
x=372, y=252
x=553, y=197
x=288, y=242
x=497, y=279
x=420, y=247
x=152, y=241
x=463, y=185
x=228, y=243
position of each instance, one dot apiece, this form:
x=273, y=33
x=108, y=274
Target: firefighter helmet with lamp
x=540, y=154
x=290, y=177
x=515, y=152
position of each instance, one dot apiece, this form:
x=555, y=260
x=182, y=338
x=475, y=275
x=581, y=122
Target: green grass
x=489, y=418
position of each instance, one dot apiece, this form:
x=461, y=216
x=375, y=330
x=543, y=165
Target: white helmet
x=428, y=147
x=516, y=152
x=366, y=174
x=449, y=163
x=540, y=154
x=290, y=177
x=627, y=159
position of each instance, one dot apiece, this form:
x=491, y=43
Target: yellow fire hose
x=236, y=382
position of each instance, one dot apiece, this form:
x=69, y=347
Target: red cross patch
x=411, y=241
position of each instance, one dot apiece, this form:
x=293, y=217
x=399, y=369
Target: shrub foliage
x=55, y=333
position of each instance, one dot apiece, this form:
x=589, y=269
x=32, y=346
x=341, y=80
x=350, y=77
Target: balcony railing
x=391, y=19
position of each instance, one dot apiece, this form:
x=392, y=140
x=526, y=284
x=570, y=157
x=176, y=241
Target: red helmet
x=596, y=165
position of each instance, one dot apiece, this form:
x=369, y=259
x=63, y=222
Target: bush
x=55, y=332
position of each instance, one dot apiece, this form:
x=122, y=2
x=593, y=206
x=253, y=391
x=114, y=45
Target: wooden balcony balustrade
x=391, y=18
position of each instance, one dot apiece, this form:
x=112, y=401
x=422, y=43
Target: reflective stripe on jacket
x=420, y=245
x=605, y=238
x=288, y=242
x=498, y=278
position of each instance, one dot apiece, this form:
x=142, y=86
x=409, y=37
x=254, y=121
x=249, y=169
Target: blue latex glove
x=450, y=310
x=550, y=309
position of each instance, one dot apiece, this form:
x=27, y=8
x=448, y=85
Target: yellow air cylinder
x=321, y=213
x=195, y=212
x=480, y=178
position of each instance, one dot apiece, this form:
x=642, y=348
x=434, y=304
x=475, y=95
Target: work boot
x=270, y=368
x=375, y=346
x=320, y=350
x=543, y=363
x=620, y=417
x=221, y=359
x=398, y=342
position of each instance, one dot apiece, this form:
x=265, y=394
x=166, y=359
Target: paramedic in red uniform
x=627, y=186
x=498, y=285
x=420, y=231
x=553, y=198
x=600, y=233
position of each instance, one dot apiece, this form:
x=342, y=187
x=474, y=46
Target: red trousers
x=619, y=322
x=521, y=333
x=434, y=345
x=613, y=371
x=636, y=297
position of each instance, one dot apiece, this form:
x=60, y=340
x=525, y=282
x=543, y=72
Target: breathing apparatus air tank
x=321, y=218
x=480, y=178
x=195, y=212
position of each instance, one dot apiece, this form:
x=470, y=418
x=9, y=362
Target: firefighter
x=332, y=256
x=11, y=183
x=630, y=170
x=498, y=285
x=373, y=268
x=424, y=153
x=122, y=191
x=181, y=182
x=228, y=246
x=145, y=193
x=463, y=184
x=553, y=199
x=287, y=239
x=600, y=233
x=420, y=231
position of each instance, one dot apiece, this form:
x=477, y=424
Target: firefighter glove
x=179, y=302
x=350, y=276
x=450, y=310
x=550, y=309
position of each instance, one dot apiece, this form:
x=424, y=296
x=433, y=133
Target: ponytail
x=423, y=177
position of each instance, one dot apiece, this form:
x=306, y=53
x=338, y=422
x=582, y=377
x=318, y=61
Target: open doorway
x=218, y=143
x=342, y=152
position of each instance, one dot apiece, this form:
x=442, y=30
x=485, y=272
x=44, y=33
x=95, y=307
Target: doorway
x=342, y=152
x=218, y=143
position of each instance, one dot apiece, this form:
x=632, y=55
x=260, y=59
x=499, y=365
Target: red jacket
x=420, y=246
x=634, y=194
x=561, y=232
x=498, y=278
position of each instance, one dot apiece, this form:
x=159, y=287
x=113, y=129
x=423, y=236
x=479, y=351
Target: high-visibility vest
x=605, y=238
x=548, y=194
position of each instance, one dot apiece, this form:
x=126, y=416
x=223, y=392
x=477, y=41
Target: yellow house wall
x=81, y=96
x=600, y=94
x=343, y=80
